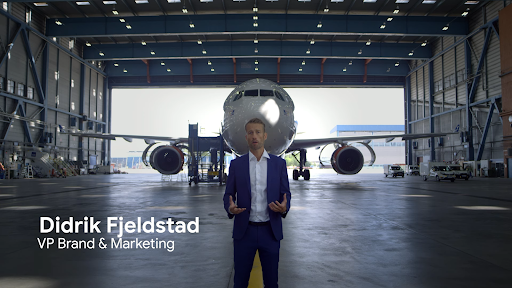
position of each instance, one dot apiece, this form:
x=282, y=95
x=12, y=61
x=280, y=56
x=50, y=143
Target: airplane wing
x=308, y=143
x=129, y=138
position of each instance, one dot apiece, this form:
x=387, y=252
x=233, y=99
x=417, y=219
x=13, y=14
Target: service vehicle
x=437, y=170
x=393, y=170
x=459, y=172
x=412, y=170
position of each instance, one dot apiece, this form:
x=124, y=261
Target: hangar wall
x=73, y=91
x=447, y=80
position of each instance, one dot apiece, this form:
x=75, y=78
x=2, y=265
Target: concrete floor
x=343, y=231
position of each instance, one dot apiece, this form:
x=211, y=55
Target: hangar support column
x=505, y=24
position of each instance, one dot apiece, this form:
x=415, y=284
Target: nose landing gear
x=301, y=171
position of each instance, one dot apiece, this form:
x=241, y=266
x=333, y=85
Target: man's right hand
x=233, y=209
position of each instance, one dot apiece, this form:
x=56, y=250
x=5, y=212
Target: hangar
x=60, y=60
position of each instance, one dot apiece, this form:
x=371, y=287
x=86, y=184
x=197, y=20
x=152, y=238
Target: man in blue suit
x=258, y=184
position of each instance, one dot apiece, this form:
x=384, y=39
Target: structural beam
x=234, y=70
x=431, y=110
x=484, y=133
x=10, y=45
x=191, y=71
x=481, y=60
x=148, y=77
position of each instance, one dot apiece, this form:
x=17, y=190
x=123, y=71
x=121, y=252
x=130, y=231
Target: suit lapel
x=270, y=167
x=248, y=174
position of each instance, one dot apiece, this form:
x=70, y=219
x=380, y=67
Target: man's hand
x=233, y=208
x=278, y=207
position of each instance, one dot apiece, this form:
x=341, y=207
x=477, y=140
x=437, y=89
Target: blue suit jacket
x=238, y=186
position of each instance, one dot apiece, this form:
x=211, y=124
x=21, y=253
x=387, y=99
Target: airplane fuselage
x=263, y=99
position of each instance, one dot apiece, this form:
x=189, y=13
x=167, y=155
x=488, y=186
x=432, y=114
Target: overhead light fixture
x=209, y=62
x=168, y=70
x=191, y=25
x=308, y=52
x=256, y=68
x=184, y=10
x=397, y=10
x=116, y=64
x=255, y=24
x=255, y=17
x=312, y=41
x=300, y=69
x=102, y=54
x=446, y=27
x=124, y=70
x=88, y=44
x=345, y=69
x=337, y=1
x=465, y=13
x=204, y=51
x=152, y=52
x=213, y=69
x=424, y=43
x=429, y=2
x=369, y=42
x=122, y=20
x=350, y=63
x=411, y=53
x=141, y=1
x=360, y=51
x=143, y=43
x=397, y=64
x=128, y=26
x=255, y=9
x=383, y=25
x=115, y=12
x=402, y=1
x=109, y=2
x=255, y=50
x=199, y=41
x=369, y=1
x=41, y=4
x=389, y=19
x=58, y=22
x=256, y=41
x=471, y=2
x=256, y=62
x=162, y=63
x=173, y=1
x=319, y=25
x=326, y=9
x=303, y=62
x=82, y=3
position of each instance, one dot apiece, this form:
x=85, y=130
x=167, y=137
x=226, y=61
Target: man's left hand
x=278, y=207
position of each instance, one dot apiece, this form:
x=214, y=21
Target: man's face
x=255, y=136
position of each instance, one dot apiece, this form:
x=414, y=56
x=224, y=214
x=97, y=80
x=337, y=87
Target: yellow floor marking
x=256, y=280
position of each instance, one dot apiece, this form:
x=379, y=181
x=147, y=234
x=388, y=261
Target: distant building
x=386, y=153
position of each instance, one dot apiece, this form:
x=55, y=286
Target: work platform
x=363, y=230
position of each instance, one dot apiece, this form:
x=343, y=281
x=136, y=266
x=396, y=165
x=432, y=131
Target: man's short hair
x=257, y=121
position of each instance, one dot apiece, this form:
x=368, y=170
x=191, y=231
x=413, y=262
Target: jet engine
x=347, y=160
x=167, y=159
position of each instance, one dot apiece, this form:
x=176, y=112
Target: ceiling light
x=471, y=2
x=58, y=22
x=326, y=9
x=102, y=54
x=124, y=70
x=411, y=53
x=88, y=44
x=369, y=1
x=162, y=63
x=168, y=70
x=82, y=3
x=337, y=1
x=213, y=70
x=41, y=4
x=152, y=52
x=345, y=69
x=141, y=1
x=115, y=12
x=255, y=50
x=256, y=68
x=360, y=51
x=300, y=69
x=184, y=10
x=390, y=19
x=402, y=1
x=424, y=43
x=255, y=24
x=429, y=1
x=191, y=25
x=446, y=27
x=256, y=62
x=397, y=64
x=143, y=43
x=122, y=20
x=256, y=41
x=464, y=14
x=255, y=9
x=204, y=51
x=308, y=52
x=350, y=63
x=312, y=41
x=369, y=42
x=128, y=26
x=206, y=1
x=209, y=62
x=397, y=10
x=173, y=1
x=303, y=62
x=255, y=17
x=109, y=2
x=319, y=25
x=116, y=64
x=383, y=26
x=199, y=42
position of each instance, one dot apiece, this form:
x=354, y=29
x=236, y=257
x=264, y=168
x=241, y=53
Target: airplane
x=268, y=101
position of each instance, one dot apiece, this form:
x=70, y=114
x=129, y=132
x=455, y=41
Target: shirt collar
x=265, y=155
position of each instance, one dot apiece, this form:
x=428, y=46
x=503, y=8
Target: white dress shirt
x=258, y=175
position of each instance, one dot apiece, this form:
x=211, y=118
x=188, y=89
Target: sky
x=168, y=111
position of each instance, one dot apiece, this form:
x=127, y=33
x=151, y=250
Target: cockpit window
x=238, y=95
x=251, y=92
x=266, y=93
x=279, y=96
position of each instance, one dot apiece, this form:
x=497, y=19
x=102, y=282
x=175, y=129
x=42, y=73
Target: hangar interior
x=60, y=60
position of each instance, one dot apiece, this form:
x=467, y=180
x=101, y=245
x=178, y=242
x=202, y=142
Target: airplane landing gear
x=301, y=171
